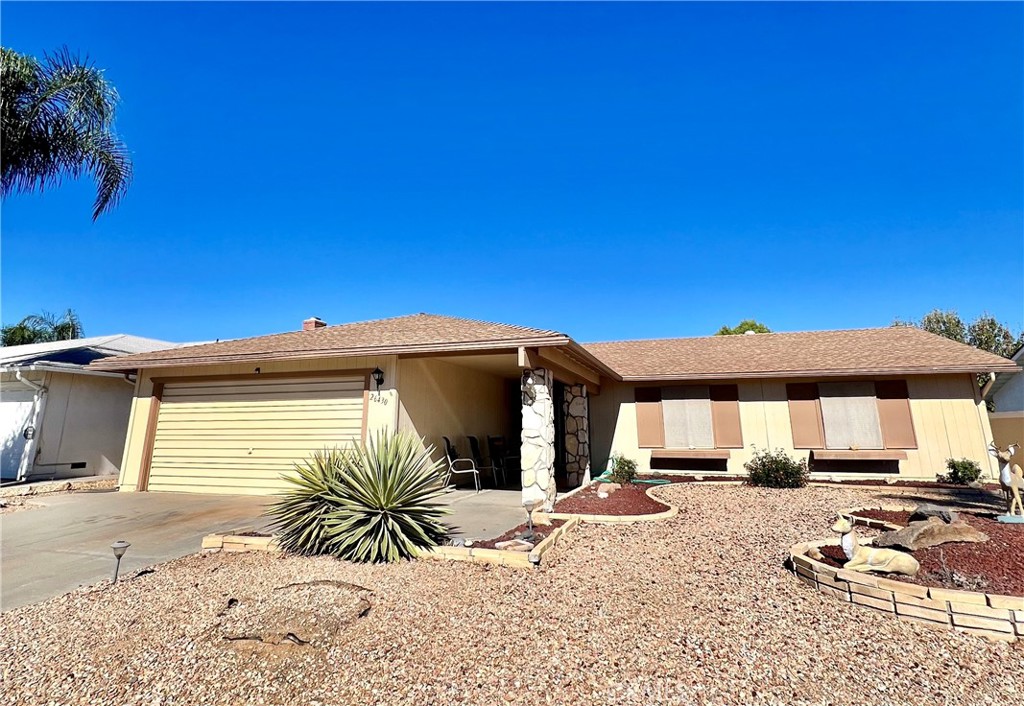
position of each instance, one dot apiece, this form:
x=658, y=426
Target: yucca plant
x=371, y=502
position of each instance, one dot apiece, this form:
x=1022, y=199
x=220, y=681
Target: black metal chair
x=500, y=457
x=478, y=460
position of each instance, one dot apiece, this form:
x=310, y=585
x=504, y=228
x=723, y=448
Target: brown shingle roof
x=418, y=333
x=895, y=350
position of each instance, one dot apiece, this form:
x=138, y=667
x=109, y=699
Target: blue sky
x=607, y=170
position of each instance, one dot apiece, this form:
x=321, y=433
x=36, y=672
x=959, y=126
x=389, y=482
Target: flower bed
x=485, y=555
x=993, y=615
x=631, y=499
x=996, y=565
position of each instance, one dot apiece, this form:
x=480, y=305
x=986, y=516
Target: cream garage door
x=241, y=436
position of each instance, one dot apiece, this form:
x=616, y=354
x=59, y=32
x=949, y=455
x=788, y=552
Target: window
x=851, y=415
x=688, y=417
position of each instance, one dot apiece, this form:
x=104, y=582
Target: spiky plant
x=371, y=502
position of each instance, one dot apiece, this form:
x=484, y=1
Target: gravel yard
x=693, y=610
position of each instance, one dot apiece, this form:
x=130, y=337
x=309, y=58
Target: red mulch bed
x=995, y=566
x=629, y=500
x=542, y=531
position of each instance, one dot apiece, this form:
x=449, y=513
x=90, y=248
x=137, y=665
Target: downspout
x=38, y=406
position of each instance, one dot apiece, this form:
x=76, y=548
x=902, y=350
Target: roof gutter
x=827, y=373
x=74, y=370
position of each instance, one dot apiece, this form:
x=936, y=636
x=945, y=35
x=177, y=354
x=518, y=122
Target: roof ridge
x=757, y=335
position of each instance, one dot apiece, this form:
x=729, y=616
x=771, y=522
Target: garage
x=241, y=436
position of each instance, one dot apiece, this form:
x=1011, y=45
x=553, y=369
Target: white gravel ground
x=693, y=610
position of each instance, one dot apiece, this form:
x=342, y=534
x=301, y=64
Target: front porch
x=534, y=403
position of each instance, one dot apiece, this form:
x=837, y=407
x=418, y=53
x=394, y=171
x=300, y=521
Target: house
x=232, y=417
x=1007, y=397
x=60, y=418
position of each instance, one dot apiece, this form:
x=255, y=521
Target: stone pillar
x=538, y=441
x=575, y=408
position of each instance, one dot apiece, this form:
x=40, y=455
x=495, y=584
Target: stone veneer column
x=575, y=406
x=537, y=454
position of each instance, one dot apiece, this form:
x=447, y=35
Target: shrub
x=962, y=471
x=776, y=469
x=369, y=502
x=623, y=469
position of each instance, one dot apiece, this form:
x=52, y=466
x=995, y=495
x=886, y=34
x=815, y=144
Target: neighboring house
x=59, y=418
x=232, y=417
x=1007, y=396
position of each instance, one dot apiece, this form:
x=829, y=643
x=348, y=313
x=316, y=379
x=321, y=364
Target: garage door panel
x=231, y=416
x=311, y=389
x=240, y=437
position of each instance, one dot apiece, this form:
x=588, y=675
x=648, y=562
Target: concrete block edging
x=993, y=616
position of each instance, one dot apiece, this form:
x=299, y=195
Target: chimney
x=312, y=323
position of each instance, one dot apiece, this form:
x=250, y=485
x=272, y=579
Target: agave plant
x=370, y=502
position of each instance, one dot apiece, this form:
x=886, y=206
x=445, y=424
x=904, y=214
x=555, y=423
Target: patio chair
x=500, y=457
x=478, y=460
x=459, y=466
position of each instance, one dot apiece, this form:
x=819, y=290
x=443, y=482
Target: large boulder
x=923, y=512
x=930, y=533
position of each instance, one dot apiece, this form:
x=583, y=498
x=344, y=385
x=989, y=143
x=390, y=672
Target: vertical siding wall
x=382, y=412
x=440, y=399
x=84, y=421
x=949, y=421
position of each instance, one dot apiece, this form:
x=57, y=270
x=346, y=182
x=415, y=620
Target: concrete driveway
x=65, y=543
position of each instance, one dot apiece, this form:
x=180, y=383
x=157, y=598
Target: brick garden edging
x=235, y=541
x=990, y=615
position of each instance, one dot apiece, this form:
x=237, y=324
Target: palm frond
x=57, y=120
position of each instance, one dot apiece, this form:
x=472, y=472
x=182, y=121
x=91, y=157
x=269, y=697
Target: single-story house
x=1007, y=397
x=58, y=417
x=233, y=416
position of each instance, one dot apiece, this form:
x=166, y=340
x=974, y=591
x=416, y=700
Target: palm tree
x=43, y=328
x=57, y=120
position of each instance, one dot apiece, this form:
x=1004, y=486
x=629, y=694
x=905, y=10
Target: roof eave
x=125, y=364
x=746, y=375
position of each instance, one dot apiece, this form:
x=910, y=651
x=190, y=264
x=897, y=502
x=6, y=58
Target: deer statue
x=865, y=559
x=1011, y=477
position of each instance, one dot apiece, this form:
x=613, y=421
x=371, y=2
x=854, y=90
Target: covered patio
x=533, y=401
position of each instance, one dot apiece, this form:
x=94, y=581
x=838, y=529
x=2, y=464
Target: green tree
x=743, y=327
x=43, y=328
x=990, y=335
x=56, y=121
x=944, y=323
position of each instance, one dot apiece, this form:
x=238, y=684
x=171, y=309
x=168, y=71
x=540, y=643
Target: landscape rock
x=514, y=545
x=608, y=488
x=923, y=512
x=929, y=533
x=540, y=517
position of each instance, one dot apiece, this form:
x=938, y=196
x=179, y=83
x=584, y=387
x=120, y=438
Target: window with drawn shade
x=849, y=414
x=688, y=417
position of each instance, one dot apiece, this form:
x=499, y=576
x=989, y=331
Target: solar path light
x=119, y=547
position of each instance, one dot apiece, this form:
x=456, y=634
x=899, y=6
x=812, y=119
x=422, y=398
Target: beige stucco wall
x=382, y=412
x=948, y=415
x=440, y=399
x=84, y=420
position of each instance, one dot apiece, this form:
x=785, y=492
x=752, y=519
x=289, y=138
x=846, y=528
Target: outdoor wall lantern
x=378, y=377
x=119, y=547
